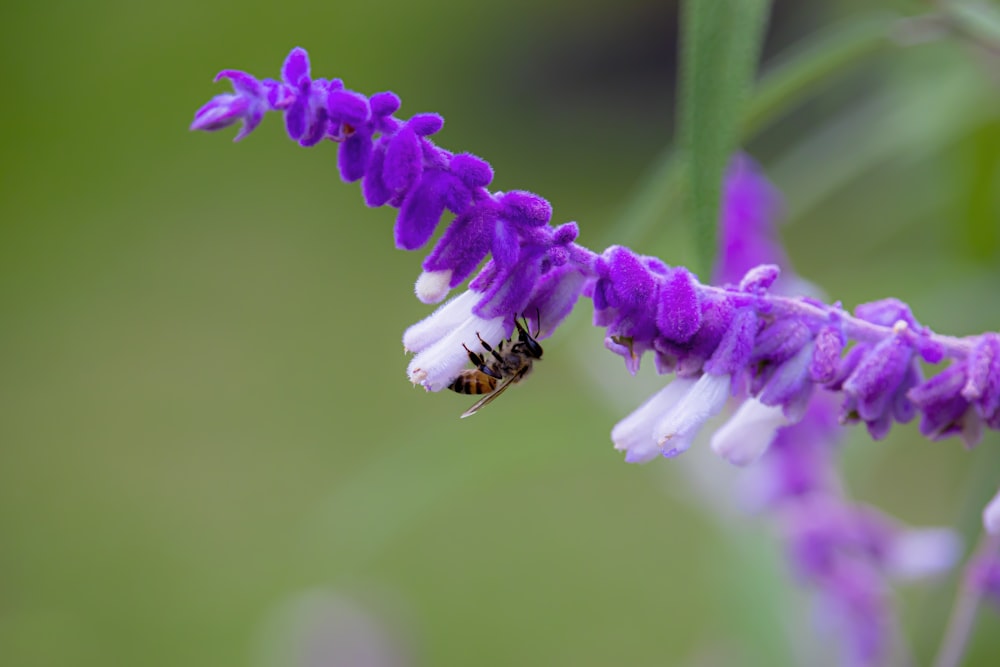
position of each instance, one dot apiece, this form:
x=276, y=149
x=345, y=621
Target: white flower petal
x=433, y=286
x=749, y=432
x=634, y=433
x=675, y=431
x=438, y=324
x=921, y=553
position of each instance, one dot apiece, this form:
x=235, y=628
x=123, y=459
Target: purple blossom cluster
x=749, y=336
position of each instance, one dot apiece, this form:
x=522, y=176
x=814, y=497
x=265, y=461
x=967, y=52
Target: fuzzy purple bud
x=678, y=314
x=877, y=377
x=403, y=160
x=826, y=354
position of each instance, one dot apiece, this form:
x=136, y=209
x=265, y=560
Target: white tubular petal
x=675, y=431
x=921, y=553
x=438, y=324
x=991, y=516
x=436, y=366
x=634, y=433
x=432, y=286
x=749, y=432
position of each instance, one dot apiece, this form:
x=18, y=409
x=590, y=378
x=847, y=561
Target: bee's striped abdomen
x=473, y=381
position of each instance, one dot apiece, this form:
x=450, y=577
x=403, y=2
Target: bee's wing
x=488, y=398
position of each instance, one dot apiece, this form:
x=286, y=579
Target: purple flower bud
x=678, y=314
x=354, y=156
x=471, y=170
x=688, y=359
x=374, y=189
x=886, y=312
x=296, y=66
x=826, y=354
x=403, y=160
x=780, y=341
x=247, y=104
x=760, y=278
x=877, y=377
x=788, y=385
x=982, y=386
x=426, y=124
x=384, y=104
x=632, y=284
x=525, y=209
x=945, y=411
x=347, y=106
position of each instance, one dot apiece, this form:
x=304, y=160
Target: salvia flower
x=762, y=332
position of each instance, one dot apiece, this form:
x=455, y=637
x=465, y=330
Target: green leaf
x=720, y=46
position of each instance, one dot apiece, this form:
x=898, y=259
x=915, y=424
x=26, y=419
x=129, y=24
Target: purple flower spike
x=247, y=104
x=747, y=334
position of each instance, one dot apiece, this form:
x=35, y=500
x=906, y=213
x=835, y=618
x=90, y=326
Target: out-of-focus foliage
x=203, y=410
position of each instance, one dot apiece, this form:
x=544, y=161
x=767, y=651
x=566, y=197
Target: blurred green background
x=204, y=416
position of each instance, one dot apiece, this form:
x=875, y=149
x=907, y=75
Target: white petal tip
x=433, y=286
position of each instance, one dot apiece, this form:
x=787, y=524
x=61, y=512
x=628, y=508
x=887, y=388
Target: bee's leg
x=496, y=355
x=480, y=363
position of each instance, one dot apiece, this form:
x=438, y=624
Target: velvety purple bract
x=678, y=314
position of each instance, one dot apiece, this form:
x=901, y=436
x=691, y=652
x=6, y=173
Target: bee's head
x=525, y=338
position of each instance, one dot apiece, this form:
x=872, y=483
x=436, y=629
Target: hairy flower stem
x=963, y=614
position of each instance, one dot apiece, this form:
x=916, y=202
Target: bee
x=499, y=367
